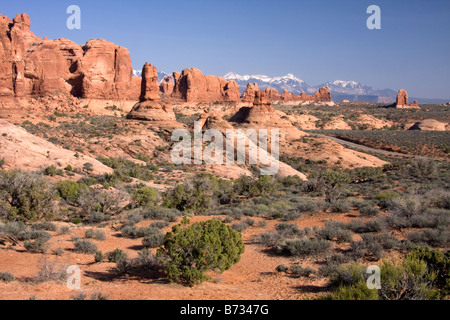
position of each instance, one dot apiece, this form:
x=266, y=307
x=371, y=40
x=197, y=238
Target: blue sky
x=317, y=40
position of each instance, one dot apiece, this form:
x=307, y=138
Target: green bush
x=71, y=190
x=189, y=252
x=145, y=196
x=116, y=255
x=27, y=196
x=99, y=257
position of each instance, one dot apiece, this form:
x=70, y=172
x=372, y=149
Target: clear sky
x=317, y=40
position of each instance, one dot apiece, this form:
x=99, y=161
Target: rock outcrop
x=249, y=94
x=166, y=87
x=31, y=66
x=149, y=107
x=402, y=101
x=192, y=86
x=429, y=125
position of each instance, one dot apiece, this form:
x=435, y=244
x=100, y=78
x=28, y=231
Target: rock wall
x=31, y=66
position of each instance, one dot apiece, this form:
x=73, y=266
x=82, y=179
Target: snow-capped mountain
x=288, y=82
x=356, y=88
x=340, y=89
x=161, y=74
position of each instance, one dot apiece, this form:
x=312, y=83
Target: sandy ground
x=253, y=278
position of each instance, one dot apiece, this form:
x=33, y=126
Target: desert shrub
x=341, y=206
x=52, y=171
x=281, y=268
x=228, y=219
x=58, y=251
x=358, y=291
x=335, y=231
x=51, y=270
x=304, y=247
x=116, y=255
x=438, y=267
x=189, y=252
x=27, y=196
x=144, y=262
x=98, y=217
x=286, y=230
x=79, y=296
x=369, y=211
x=407, y=280
x=422, y=169
x=103, y=201
x=34, y=235
x=348, y=275
x=124, y=169
x=95, y=234
x=71, y=190
x=240, y=227
x=145, y=196
x=36, y=246
x=301, y=272
x=372, y=250
x=159, y=224
x=134, y=217
x=7, y=277
x=197, y=195
x=386, y=240
x=99, y=257
x=359, y=226
x=153, y=239
x=13, y=228
x=406, y=207
x=47, y=225
x=162, y=213
x=438, y=237
x=99, y=296
x=268, y=238
x=85, y=246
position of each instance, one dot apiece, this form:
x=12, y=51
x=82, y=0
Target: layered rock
x=402, y=101
x=149, y=107
x=32, y=66
x=192, y=86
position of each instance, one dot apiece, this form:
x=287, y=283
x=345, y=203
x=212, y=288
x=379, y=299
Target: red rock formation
x=249, y=93
x=166, y=86
x=149, y=107
x=273, y=94
x=323, y=95
x=192, y=86
x=402, y=101
x=32, y=66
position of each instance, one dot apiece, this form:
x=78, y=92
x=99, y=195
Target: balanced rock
x=149, y=107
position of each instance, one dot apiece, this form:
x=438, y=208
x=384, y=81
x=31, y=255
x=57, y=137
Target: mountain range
x=340, y=89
